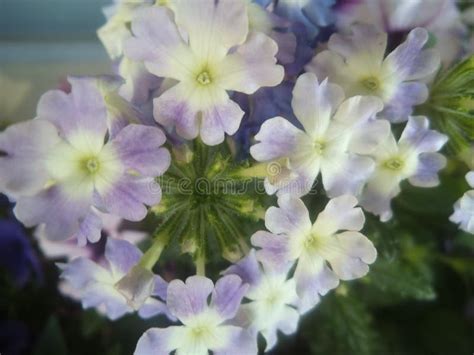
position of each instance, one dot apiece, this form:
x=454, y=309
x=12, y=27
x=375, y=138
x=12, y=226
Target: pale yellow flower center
x=204, y=78
x=394, y=164
x=371, y=84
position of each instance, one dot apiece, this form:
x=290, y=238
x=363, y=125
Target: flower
x=277, y=28
x=441, y=18
x=356, y=62
x=330, y=249
x=196, y=52
x=414, y=157
x=60, y=167
x=334, y=132
x=17, y=257
x=272, y=299
x=204, y=328
x=464, y=208
x=313, y=14
x=99, y=285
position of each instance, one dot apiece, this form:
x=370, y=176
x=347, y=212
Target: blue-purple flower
x=204, y=326
x=324, y=252
x=208, y=51
x=64, y=166
x=414, y=157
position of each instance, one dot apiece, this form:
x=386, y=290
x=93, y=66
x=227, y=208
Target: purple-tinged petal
x=220, y=119
x=89, y=229
x=291, y=217
x=153, y=307
x=26, y=145
x=171, y=110
x=106, y=299
x=188, y=299
x=138, y=148
x=247, y=269
x=227, y=295
x=82, y=109
x=157, y=341
x=139, y=82
x=418, y=136
x=409, y=61
x=426, y=175
x=351, y=254
x=60, y=213
x=407, y=95
x=129, y=195
x=368, y=136
x=82, y=271
x=161, y=288
x=340, y=214
x=121, y=255
x=240, y=341
x=251, y=66
x=274, y=248
x=278, y=138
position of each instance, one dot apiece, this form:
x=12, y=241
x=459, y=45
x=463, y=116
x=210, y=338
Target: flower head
x=100, y=285
x=272, y=297
x=208, y=51
x=414, y=157
x=203, y=326
x=464, y=208
x=328, y=250
x=358, y=64
x=63, y=166
x=334, y=132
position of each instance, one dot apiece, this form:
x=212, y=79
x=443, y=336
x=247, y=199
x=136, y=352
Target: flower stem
x=201, y=266
x=152, y=255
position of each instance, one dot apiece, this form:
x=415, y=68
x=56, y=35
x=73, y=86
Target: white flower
x=326, y=251
x=414, y=157
x=335, y=131
x=464, y=208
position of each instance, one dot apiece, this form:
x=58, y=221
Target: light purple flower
x=204, y=326
x=196, y=52
x=414, y=157
x=328, y=250
x=441, y=18
x=464, y=208
x=272, y=296
x=358, y=64
x=336, y=133
x=98, y=285
x=60, y=167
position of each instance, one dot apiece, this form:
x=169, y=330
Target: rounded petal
x=227, y=295
x=419, y=137
x=121, y=255
x=400, y=105
x=409, y=61
x=251, y=66
x=247, y=269
x=23, y=149
x=314, y=103
x=429, y=164
x=138, y=148
x=188, y=299
x=274, y=248
x=291, y=217
x=340, y=214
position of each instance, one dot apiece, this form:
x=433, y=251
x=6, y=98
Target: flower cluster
x=200, y=84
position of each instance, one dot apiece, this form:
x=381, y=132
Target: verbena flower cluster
x=311, y=90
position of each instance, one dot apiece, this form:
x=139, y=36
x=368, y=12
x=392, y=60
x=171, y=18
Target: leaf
x=342, y=325
x=51, y=340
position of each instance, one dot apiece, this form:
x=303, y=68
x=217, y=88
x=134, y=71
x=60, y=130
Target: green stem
x=201, y=265
x=152, y=255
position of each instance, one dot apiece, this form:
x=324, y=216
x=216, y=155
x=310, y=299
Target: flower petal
x=121, y=255
x=251, y=66
x=25, y=146
x=158, y=341
x=227, y=295
x=418, y=136
x=188, y=299
x=314, y=103
x=138, y=148
x=292, y=216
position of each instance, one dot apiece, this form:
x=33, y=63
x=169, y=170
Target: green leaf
x=401, y=279
x=51, y=340
x=342, y=325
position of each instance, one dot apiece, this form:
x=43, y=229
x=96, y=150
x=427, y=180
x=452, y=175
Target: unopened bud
x=136, y=286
